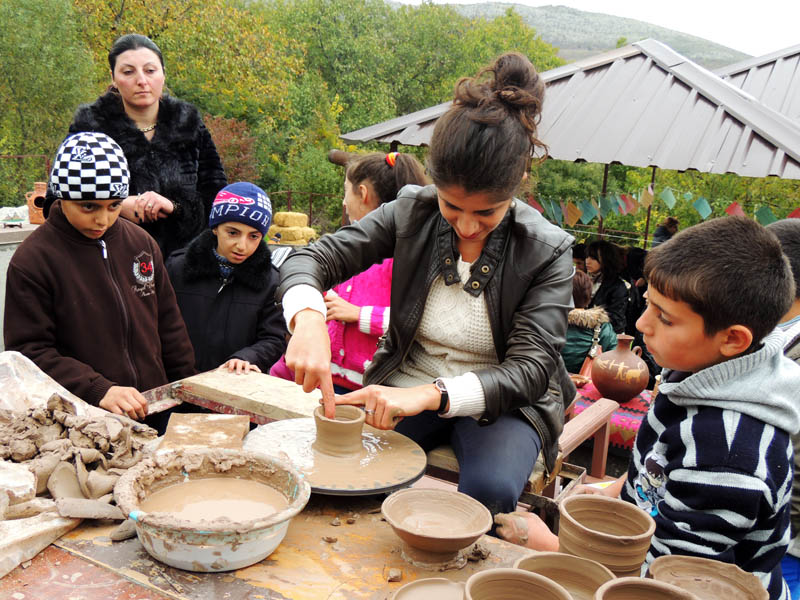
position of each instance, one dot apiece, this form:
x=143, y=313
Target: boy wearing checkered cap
x=87, y=296
x=225, y=283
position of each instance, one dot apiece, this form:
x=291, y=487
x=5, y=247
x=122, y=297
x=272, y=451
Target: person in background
x=604, y=265
x=788, y=233
x=358, y=309
x=225, y=284
x=579, y=256
x=87, y=296
x=665, y=230
x=481, y=288
x=174, y=165
x=585, y=325
x=712, y=462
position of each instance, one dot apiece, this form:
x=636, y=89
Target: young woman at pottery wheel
x=481, y=289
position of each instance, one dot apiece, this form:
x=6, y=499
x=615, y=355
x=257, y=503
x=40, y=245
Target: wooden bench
x=591, y=423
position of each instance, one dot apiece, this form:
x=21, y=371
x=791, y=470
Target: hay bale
x=290, y=219
x=291, y=234
x=309, y=233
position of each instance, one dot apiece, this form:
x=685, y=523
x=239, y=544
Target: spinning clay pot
x=340, y=436
x=620, y=374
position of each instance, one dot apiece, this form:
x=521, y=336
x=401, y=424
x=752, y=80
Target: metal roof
x=774, y=79
x=642, y=105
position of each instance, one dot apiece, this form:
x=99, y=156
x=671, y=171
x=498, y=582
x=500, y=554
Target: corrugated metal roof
x=643, y=105
x=774, y=79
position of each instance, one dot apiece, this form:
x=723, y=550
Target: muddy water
x=216, y=497
x=433, y=523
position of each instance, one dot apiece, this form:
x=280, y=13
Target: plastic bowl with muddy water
x=211, y=510
x=610, y=531
x=636, y=588
x=512, y=584
x=435, y=525
x=708, y=579
x=579, y=576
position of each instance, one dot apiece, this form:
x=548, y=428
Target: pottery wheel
x=388, y=460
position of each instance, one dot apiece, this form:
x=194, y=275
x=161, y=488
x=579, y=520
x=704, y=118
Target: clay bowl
x=512, y=584
x=636, y=588
x=435, y=524
x=579, y=576
x=708, y=579
x=434, y=587
x=209, y=546
x=610, y=531
x=340, y=436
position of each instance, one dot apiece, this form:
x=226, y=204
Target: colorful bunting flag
x=573, y=214
x=532, y=201
x=606, y=205
x=589, y=212
x=646, y=197
x=702, y=207
x=765, y=216
x=688, y=196
x=668, y=197
x=630, y=203
x=558, y=214
x=735, y=210
x=795, y=214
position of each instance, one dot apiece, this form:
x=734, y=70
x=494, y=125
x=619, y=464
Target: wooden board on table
x=205, y=430
x=257, y=393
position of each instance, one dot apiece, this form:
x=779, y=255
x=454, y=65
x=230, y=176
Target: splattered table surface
x=338, y=548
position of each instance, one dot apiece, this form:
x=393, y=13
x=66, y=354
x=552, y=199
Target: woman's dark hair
x=609, y=256
x=132, y=41
x=486, y=140
x=386, y=178
x=581, y=289
x=670, y=222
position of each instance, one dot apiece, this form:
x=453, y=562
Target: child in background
x=225, y=283
x=788, y=233
x=87, y=296
x=358, y=309
x=585, y=324
x=718, y=433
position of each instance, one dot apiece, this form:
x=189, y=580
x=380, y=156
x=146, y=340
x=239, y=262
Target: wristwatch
x=443, y=391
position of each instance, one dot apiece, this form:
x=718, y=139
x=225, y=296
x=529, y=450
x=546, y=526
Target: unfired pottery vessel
x=512, y=584
x=620, y=374
x=636, y=588
x=433, y=588
x=708, y=579
x=35, y=200
x=579, y=576
x=435, y=524
x=610, y=531
x=340, y=436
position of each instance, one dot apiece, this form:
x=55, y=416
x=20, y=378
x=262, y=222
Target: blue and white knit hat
x=244, y=203
x=89, y=166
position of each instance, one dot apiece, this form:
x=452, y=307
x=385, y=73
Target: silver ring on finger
x=369, y=411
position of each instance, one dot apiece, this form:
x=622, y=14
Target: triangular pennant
x=646, y=197
x=702, y=207
x=589, y=212
x=668, y=197
x=795, y=214
x=735, y=210
x=765, y=216
x=573, y=214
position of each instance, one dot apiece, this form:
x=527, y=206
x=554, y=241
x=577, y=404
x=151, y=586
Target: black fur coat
x=180, y=162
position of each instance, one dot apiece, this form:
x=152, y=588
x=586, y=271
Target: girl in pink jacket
x=358, y=309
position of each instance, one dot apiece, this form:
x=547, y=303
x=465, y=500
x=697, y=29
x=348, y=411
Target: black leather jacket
x=525, y=273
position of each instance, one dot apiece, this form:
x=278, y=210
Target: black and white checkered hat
x=89, y=166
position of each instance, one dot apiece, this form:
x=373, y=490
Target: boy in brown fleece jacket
x=87, y=296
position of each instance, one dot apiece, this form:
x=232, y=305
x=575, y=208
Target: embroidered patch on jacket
x=651, y=483
x=143, y=273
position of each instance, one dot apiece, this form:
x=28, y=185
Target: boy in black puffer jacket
x=226, y=284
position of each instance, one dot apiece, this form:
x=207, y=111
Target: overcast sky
x=755, y=27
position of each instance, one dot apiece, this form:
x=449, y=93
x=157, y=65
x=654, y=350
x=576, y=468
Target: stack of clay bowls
x=708, y=579
x=610, y=531
x=581, y=577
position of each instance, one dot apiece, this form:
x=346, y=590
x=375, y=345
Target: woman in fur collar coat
x=174, y=165
x=582, y=322
x=225, y=284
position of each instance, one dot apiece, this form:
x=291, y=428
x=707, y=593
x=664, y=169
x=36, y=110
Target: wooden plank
x=271, y=398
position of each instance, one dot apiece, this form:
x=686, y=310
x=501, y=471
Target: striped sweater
x=712, y=462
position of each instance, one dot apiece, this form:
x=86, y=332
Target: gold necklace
x=146, y=129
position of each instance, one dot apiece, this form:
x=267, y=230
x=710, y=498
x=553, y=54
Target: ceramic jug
x=620, y=374
x=35, y=201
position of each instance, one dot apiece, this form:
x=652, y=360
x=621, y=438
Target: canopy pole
x=649, y=208
x=603, y=193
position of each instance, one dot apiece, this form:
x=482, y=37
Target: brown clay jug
x=35, y=201
x=620, y=374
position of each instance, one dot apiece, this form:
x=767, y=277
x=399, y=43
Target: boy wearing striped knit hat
x=712, y=461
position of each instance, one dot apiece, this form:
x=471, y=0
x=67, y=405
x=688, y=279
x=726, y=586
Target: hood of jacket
x=588, y=318
x=762, y=385
x=199, y=262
